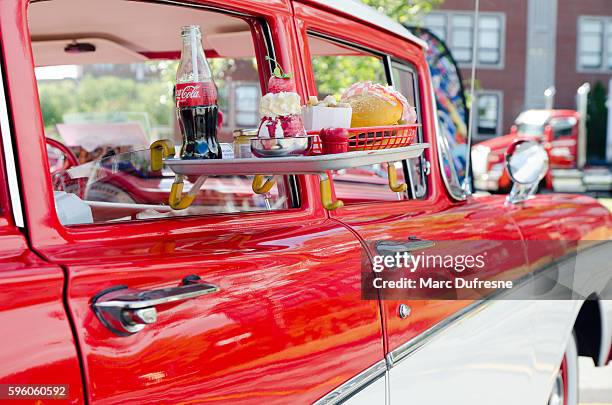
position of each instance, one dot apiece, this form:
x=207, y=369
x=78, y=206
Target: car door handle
x=126, y=311
x=390, y=247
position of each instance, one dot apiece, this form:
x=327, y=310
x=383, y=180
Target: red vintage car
x=115, y=300
x=558, y=131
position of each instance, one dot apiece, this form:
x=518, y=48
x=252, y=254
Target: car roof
x=365, y=13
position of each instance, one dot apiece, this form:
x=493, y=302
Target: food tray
x=293, y=164
x=374, y=138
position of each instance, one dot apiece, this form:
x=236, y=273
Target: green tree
x=597, y=120
x=404, y=11
x=333, y=74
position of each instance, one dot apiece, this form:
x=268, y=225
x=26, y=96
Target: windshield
x=530, y=129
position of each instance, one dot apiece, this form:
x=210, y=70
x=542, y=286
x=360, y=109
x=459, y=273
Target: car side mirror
x=527, y=164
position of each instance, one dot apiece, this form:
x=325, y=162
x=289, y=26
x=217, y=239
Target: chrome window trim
x=355, y=384
x=9, y=157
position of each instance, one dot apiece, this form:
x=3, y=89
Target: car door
x=38, y=346
x=223, y=308
x=487, y=340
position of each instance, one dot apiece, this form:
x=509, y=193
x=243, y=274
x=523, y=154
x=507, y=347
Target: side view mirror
x=527, y=164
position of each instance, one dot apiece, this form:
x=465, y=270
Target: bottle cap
x=188, y=29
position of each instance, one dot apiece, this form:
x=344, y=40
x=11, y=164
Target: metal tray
x=293, y=164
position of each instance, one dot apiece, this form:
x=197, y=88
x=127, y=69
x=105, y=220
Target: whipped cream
x=283, y=103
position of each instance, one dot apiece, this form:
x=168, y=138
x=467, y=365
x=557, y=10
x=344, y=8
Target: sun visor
x=82, y=51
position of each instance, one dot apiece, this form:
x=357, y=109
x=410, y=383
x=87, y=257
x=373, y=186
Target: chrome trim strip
x=355, y=384
x=9, y=157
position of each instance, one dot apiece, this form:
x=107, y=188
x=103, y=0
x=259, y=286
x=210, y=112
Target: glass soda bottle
x=196, y=99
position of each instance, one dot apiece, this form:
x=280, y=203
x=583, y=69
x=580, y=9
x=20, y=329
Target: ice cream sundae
x=280, y=108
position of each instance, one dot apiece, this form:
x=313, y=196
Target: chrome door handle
x=126, y=311
x=390, y=247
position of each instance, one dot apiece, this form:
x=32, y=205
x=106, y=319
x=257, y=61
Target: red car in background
x=557, y=130
x=242, y=306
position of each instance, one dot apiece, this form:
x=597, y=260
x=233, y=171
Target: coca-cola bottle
x=196, y=99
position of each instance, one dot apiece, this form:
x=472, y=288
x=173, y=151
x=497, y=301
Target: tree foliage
x=404, y=11
x=333, y=74
x=110, y=94
x=597, y=122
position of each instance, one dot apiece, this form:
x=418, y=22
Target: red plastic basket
x=374, y=138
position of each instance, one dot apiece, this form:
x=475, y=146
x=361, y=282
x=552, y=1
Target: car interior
x=106, y=93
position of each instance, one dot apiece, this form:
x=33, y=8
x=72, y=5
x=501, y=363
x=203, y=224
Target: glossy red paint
x=437, y=217
x=288, y=324
x=477, y=219
x=288, y=308
x=263, y=335
x=36, y=339
x=37, y=342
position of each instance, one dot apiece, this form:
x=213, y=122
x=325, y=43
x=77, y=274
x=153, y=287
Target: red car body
x=288, y=324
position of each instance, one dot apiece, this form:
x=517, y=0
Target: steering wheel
x=70, y=158
x=59, y=177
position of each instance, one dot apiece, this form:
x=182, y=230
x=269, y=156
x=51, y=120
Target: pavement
x=607, y=202
x=595, y=383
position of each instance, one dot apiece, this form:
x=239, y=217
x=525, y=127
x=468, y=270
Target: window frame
x=500, y=109
x=388, y=62
x=606, y=44
x=297, y=186
x=410, y=68
x=448, y=16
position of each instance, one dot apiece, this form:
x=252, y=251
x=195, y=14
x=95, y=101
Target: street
x=595, y=383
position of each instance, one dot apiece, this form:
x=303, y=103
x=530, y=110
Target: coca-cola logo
x=194, y=94
x=189, y=91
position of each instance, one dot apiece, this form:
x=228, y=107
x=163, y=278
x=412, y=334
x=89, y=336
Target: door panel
x=482, y=219
x=287, y=324
x=36, y=338
x=486, y=223
x=483, y=358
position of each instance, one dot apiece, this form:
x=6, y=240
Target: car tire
x=565, y=386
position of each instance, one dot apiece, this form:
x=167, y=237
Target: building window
x=594, y=43
x=456, y=29
x=247, y=105
x=488, y=113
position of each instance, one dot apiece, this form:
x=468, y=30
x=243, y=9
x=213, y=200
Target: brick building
x=525, y=46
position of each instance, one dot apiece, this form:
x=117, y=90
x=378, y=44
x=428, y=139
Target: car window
x=107, y=97
x=529, y=129
x=563, y=126
x=336, y=67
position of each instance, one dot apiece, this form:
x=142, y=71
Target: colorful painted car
x=279, y=315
